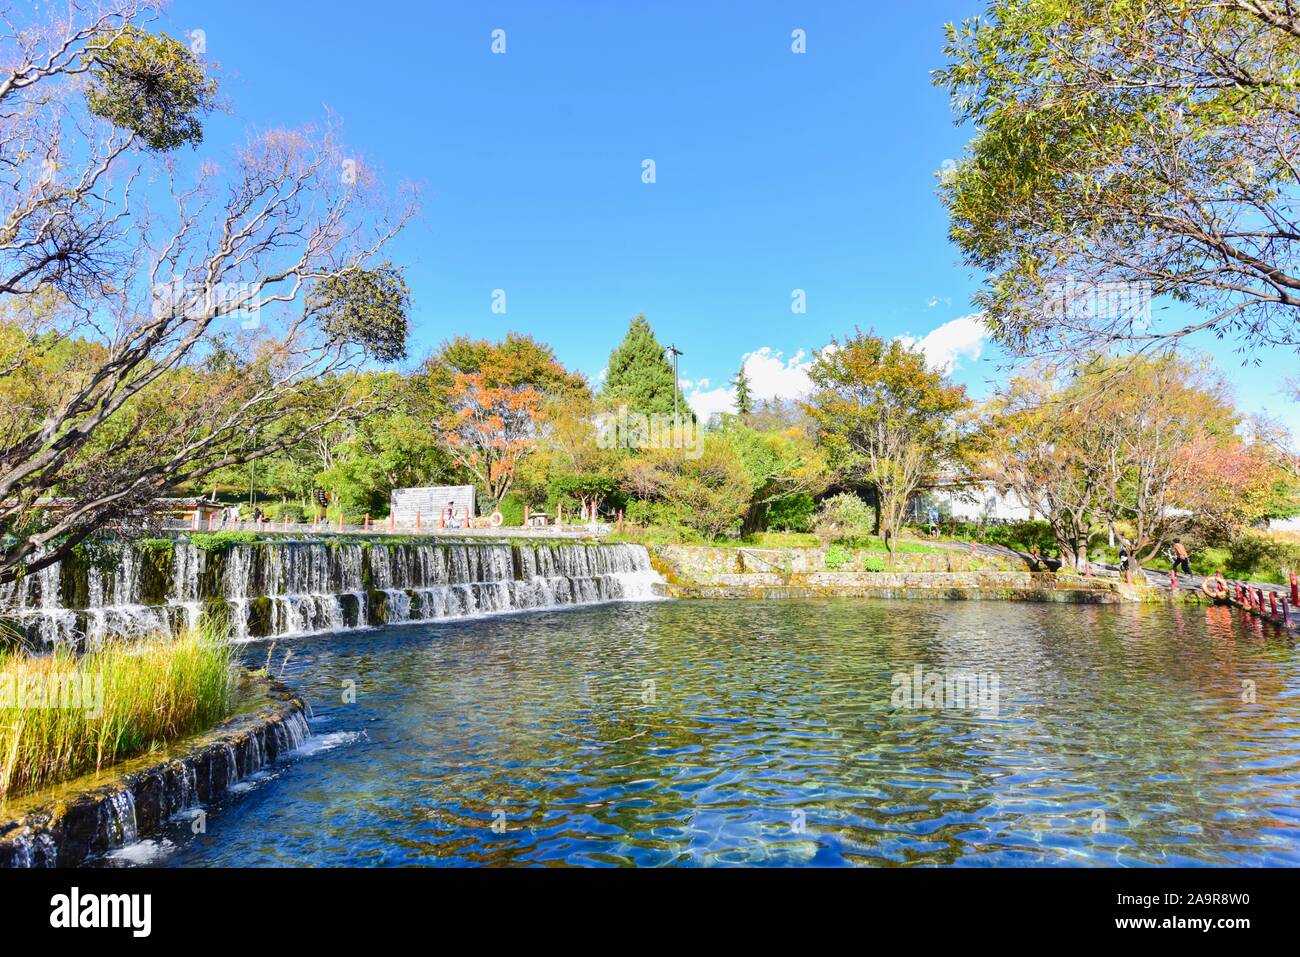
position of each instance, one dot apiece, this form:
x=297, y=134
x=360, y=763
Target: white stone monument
x=431, y=504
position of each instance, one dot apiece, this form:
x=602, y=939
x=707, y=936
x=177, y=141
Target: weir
x=284, y=587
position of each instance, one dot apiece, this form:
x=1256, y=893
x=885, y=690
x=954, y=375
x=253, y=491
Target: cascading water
x=36, y=604
x=280, y=587
x=116, y=607
x=429, y=582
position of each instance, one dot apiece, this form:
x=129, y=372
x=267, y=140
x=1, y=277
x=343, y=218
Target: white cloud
x=707, y=403
x=947, y=346
x=771, y=376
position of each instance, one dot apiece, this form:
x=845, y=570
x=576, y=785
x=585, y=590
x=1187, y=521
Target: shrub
x=843, y=516
x=873, y=563
x=512, y=509
x=1262, y=557
x=837, y=557
x=792, y=513
x=279, y=511
x=215, y=542
x=708, y=494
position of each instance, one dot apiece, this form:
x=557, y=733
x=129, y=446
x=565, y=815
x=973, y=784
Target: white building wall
x=972, y=503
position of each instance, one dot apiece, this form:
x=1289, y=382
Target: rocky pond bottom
x=785, y=733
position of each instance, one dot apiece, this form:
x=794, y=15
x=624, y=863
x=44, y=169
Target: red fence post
x=1295, y=589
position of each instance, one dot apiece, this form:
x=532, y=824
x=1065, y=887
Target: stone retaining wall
x=701, y=571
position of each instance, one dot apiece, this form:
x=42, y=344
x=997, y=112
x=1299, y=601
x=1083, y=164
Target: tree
x=744, y=399
x=884, y=417
x=708, y=494
x=779, y=465
x=1174, y=461
x=180, y=332
x=570, y=462
x=495, y=392
x=1128, y=149
x=1044, y=439
x=638, y=375
x=1145, y=447
x=363, y=460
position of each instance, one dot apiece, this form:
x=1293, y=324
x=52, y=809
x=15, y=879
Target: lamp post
x=675, y=352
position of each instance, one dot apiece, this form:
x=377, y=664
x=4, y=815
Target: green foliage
x=512, y=510
x=884, y=417
x=217, y=542
x=1263, y=557
x=844, y=516
x=279, y=511
x=792, y=513
x=152, y=86
x=1126, y=141
x=779, y=464
x=364, y=307
x=837, y=557
x=708, y=494
x=744, y=395
x=873, y=563
x=638, y=375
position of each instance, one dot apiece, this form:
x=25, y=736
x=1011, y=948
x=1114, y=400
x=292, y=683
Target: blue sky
x=775, y=171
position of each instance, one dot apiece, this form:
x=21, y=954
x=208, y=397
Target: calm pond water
x=771, y=735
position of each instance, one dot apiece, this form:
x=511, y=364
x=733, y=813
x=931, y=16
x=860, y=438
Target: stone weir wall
x=80, y=823
x=264, y=588
x=701, y=572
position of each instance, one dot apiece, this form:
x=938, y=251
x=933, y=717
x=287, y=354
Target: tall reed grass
x=62, y=715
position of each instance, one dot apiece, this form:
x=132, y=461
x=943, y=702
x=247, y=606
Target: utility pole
x=675, y=352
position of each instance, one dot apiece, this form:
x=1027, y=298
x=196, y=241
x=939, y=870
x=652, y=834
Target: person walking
x=1181, y=558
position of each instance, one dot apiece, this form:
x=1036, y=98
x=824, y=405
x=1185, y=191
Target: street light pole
x=675, y=352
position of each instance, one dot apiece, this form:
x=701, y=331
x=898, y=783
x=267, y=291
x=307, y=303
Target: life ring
x=1214, y=593
x=497, y=519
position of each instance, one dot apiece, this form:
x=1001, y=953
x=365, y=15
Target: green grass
x=902, y=546
x=62, y=716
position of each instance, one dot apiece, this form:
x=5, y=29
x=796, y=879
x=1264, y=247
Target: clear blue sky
x=775, y=171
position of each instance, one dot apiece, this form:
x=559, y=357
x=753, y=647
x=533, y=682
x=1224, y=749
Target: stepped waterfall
x=278, y=588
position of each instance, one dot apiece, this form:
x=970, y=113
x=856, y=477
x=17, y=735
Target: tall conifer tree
x=639, y=375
